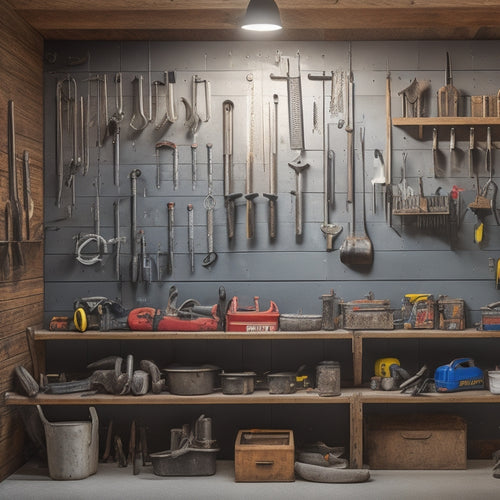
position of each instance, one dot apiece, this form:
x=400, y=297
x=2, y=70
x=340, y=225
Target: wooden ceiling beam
x=302, y=20
x=170, y=5
x=292, y=19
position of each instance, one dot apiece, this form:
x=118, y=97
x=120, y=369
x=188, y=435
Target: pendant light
x=262, y=15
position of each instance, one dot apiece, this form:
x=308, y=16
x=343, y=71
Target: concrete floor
x=110, y=482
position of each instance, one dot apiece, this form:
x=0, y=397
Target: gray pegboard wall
x=293, y=272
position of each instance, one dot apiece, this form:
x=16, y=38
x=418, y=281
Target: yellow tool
x=479, y=233
x=497, y=275
x=416, y=297
x=80, y=319
x=383, y=365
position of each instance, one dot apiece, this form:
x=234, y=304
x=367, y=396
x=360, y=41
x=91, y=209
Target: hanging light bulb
x=262, y=15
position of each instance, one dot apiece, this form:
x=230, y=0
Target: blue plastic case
x=459, y=375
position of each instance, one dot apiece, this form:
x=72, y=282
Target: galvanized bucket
x=72, y=447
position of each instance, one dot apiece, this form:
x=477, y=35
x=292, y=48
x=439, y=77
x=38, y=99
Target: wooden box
x=416, y=442
x=264, y=455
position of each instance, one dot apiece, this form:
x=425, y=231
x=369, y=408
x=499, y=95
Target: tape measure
x=80, y=319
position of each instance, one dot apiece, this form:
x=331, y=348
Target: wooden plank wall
x=21, y=290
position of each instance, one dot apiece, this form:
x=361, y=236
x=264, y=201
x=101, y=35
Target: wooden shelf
x=480, y=396
x=347, y=396
x=215, y=398
x=426, y=334
x=446, y=121
x=355, y=397
x=42, y=335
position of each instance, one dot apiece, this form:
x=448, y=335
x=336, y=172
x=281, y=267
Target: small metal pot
x=191, y=380
x=282, y=383
x=238, y=383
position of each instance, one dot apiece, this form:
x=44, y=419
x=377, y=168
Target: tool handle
x=298, y=205
x=230, y=216
x=388, y=138
x=330, y=179
x=350, y=166
x=250, y=219
x=272, y=218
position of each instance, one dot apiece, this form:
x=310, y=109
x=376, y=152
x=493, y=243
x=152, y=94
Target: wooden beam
x=434, y=19
x=134, y=5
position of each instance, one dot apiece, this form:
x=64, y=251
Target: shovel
x=357, y=248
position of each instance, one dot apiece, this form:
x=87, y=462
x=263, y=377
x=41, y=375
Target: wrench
x=138, y=120
x=209, y=204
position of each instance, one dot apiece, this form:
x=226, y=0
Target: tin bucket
x=72, y=447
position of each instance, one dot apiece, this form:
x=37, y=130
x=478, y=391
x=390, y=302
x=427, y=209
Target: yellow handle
x=497, y=275
x=80, y=319
x=479, y=233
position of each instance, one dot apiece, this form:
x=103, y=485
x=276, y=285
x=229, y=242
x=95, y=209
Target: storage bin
x=72, y=447
x=494, y=381
x=416, y=442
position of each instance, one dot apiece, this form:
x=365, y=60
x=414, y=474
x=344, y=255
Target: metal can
x=328, y=378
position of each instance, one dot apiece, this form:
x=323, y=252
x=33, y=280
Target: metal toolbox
x=367, y=314
x=251, y=319
x=490, y=317
x=451, y=313
x=416, y=442
x=264, y=455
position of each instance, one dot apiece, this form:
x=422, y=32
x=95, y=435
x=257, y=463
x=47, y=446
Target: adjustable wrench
x=209, y=204
x=227, y=155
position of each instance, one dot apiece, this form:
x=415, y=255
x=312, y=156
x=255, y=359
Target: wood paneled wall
x=21, y=289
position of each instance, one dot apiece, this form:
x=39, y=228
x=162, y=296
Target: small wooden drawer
x=264, y=455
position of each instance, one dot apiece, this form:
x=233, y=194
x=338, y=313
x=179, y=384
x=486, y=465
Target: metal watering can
x=72, y=447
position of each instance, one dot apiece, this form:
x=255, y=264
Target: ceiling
x=302, y=19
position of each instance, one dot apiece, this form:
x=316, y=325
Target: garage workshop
x=249, y=249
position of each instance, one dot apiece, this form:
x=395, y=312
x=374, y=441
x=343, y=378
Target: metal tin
x=194, y=462
x=191, y=380
x=281, y=383
x=238, y=383
x=328, y=378
x=300, y=322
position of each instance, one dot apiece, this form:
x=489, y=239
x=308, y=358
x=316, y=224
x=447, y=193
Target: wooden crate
x=416, y=442
x=264, y=455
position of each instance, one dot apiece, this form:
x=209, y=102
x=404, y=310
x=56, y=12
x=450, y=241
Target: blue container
x=459, y=375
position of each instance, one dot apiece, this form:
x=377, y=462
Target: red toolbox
x=251, y=319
